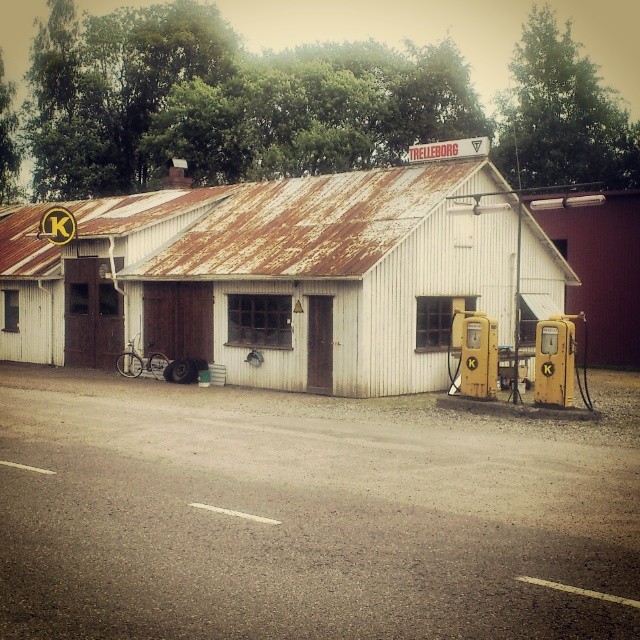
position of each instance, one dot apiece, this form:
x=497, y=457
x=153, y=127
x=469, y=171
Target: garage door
x=178, y=318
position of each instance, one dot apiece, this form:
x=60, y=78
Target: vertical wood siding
x=287, y=369
x=428, y=263
x=41, y=336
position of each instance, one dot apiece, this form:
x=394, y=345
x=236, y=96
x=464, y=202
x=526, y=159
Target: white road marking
x=26, y=468
x=582, y=592
x=237, y=514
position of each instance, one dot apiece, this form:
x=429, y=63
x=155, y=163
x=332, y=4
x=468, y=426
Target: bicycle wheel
x=158, y=363
x=129, y=365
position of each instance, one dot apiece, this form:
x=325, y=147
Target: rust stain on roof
x=22, y=255
x=327, y=226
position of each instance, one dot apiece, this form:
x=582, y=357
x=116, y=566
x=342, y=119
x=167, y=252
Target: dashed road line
x=24, y=467
x=237, y=514
x=581, y=592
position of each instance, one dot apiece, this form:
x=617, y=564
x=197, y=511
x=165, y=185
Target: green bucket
x=204, y=378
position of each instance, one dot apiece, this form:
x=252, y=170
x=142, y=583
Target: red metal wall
x=603, y=249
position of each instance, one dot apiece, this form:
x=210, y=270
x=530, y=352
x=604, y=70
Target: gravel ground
x=615, y=395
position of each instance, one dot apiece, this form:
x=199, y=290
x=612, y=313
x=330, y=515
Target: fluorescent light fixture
x=479, y=209
x=571, y=202
x=585, y=201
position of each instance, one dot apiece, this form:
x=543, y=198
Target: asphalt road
x=370, y=528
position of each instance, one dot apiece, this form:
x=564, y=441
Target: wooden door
x=178, y=318
x=94, y=315
x=320, y=345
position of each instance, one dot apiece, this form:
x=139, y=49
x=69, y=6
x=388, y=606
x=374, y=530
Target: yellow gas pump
x=479, y=356
x=555, y=361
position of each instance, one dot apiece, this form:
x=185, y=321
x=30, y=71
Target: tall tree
x=51, y=109
x=558, y=123
x=10, y=156
x=433, y=100
x=94, y=90
x=204, y=125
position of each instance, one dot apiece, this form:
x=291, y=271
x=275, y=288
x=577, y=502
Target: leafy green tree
x=173, y=43
x=324, y=120
x=559, y=124
x=432, y=100
x=10, y=156
x=52, y=78
x=203, y=124
x=94, y=90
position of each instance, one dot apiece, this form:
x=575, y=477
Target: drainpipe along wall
x=112, y=275
x=51, y=312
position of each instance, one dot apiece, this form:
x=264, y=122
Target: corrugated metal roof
x=327, y=226
x=137, y=212
x=22, y=255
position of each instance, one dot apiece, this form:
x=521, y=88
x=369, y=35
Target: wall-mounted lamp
x=255, y=358
x=479, y=209
x=567, y=203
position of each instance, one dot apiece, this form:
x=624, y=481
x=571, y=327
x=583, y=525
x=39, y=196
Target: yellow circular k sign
x=548, y=369
x=472, y=363
x=58, y=226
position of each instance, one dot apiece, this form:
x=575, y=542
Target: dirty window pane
x=108, y=300
x=79, y=299
x=11, y=311
x=259, y=320
x=433, y=320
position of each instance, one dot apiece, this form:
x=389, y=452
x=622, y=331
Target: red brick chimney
x=176, y=178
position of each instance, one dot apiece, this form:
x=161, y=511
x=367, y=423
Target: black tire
x=167, y=374
x=158, y=363
x=184, y=371
x=129, y=365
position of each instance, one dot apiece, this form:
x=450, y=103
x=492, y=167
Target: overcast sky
x=484, y=30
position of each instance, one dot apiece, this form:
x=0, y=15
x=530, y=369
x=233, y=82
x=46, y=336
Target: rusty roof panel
x=149, y=209
x=22, y=255
x=327, y=226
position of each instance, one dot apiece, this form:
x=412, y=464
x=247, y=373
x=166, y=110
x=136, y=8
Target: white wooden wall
x=41, y=336
x=287, y=369
x=431, y=262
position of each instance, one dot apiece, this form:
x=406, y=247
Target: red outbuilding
x=602, y=245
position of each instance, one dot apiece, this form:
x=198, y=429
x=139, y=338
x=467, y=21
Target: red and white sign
x=452, y=150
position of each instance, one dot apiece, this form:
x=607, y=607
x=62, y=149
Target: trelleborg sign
x=58, y=226
x=451, y=150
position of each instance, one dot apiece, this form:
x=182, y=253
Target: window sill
x=257, y=347
x=11, y=330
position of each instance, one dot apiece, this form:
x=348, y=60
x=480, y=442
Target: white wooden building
x=343, y=284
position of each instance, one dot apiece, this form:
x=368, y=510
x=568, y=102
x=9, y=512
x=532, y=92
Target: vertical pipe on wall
x=112, y=244
x=51, y=310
